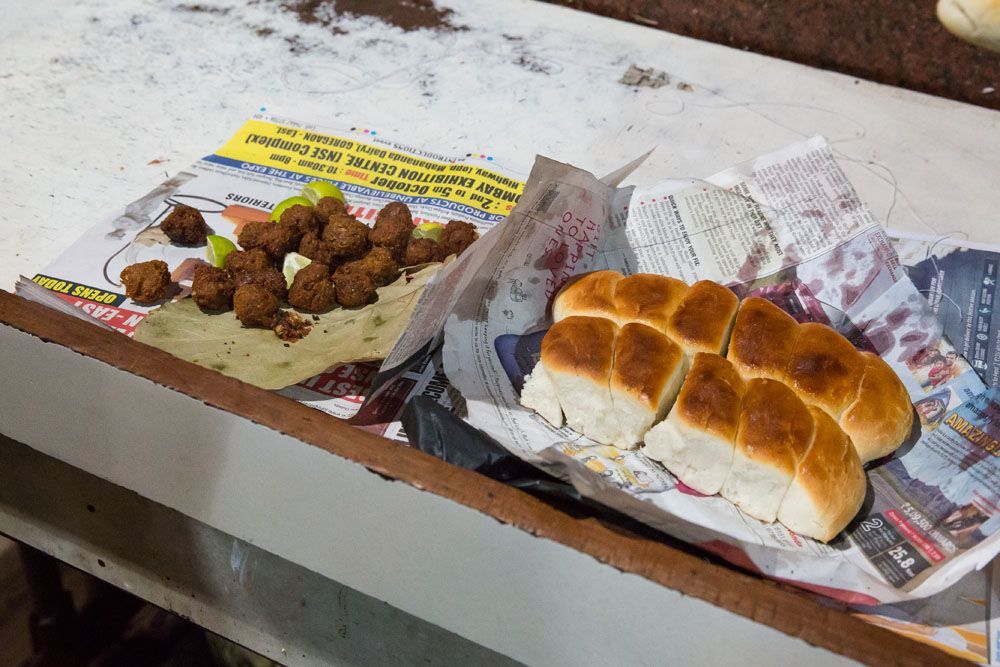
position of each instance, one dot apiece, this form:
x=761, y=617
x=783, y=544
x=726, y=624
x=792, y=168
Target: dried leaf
x=259, y=357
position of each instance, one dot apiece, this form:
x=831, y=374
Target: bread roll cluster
x=780, y=426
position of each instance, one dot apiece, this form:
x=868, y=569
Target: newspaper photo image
x=787, y=227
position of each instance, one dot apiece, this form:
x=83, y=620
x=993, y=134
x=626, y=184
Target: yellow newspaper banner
x=359, y=163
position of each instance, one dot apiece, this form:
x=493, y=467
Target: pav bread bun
x=592, y=295
x=648, y=298
x=881, y=416
x=703, y=318
x=774, y=434
x=763, y=339
x=825, y=369
x=578, y=355
x=829, y=484
x=695, y=442
x=647, y=372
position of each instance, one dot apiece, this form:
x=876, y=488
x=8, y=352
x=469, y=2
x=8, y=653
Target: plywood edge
x=787, y=610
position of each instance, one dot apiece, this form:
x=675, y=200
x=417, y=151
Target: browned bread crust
x=825, y=369
x=645, y=362
x=710, y=397
x=648, y=298
x=763, y=339
x=704, y=318
x=881, y=416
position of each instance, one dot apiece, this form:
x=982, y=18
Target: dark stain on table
x=898, y=42
x=407, y=15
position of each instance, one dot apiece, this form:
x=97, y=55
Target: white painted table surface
x=101, y=101
x=92, y=92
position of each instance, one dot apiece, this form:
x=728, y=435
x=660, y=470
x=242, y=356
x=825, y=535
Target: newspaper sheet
x=960, y=620
x=953, y=273
x=788, y=227
x=269, y=159
x=959, y=278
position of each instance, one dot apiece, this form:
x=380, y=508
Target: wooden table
x=195, y=479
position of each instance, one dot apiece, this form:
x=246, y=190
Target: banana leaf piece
x=259, y=357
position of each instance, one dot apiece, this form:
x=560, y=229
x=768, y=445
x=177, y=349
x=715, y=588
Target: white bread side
x=829, y=485
x=647, y=372
x=775, y=432
x=540, y=395
x=696, y=440
x=578, y=354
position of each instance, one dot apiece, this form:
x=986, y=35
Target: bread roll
x=578, y=354
x=780, y=428
x=647, y=372
x=696, y=440
x=763, y=339
x=774, y=434
x=703, y=318
x=881, y=417
x=540, y=395
x=975, y=21
x=592, y=295
x=648, y=298
x=829, y=484
x=825, y=369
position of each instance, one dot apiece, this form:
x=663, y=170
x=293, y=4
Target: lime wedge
x=287, y=204
x=217, y=248
x=318, y=189
x=293, y=262
x=428, y=230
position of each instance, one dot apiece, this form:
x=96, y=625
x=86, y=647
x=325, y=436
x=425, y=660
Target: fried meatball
x=346, y=236
x=302, y=218
x=270, y=279
x=379, y=264
x=253, y=233
x=316, y=249
x=393, y=227
x=185, y=226
x=275, y=239
x=255, y=306
x=394, y=213
x=212, y=288
x=354, y=287
x=146, y=282
x=328, y=206
x=248, y=260
x=422, y=251
x=457, y=236
x=312, y=290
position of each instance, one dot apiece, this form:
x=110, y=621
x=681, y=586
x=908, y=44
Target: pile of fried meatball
x=349, y=262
